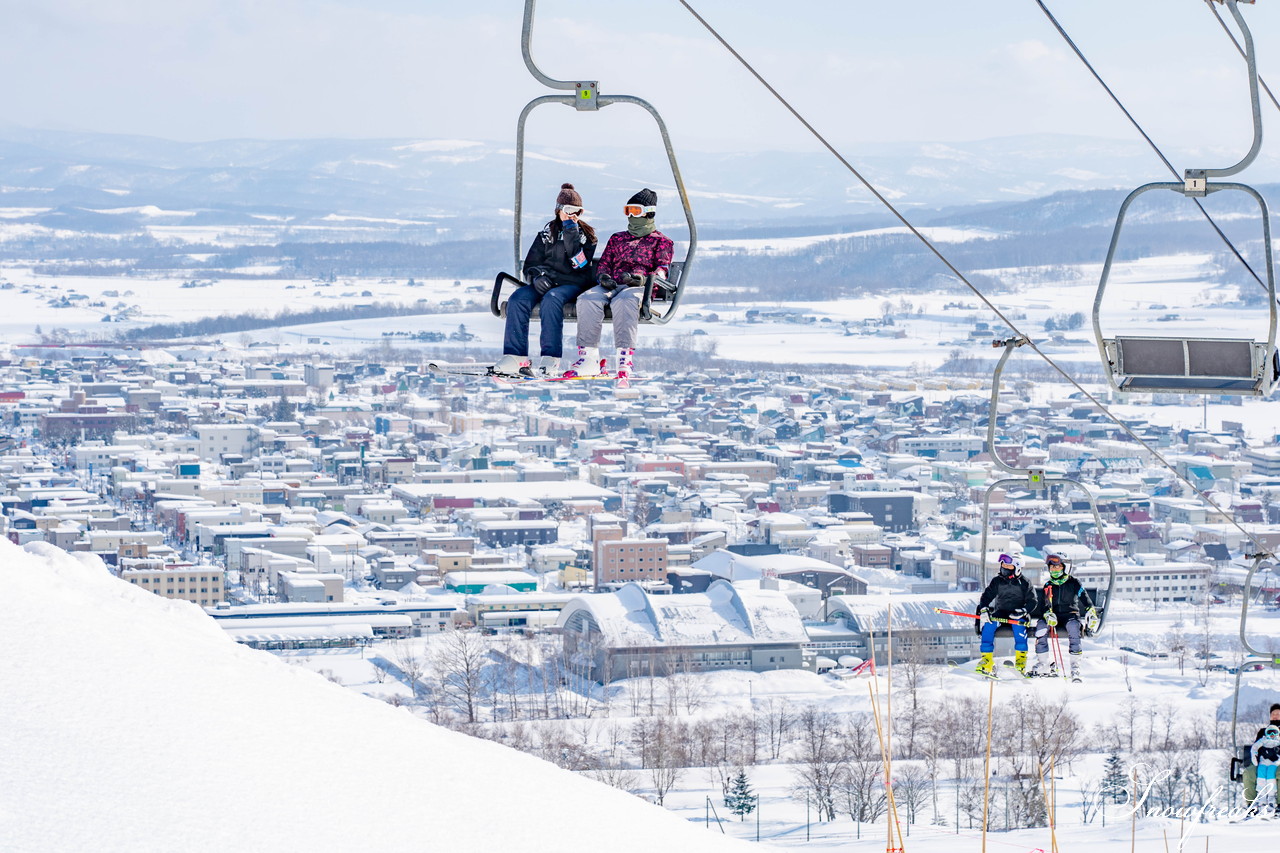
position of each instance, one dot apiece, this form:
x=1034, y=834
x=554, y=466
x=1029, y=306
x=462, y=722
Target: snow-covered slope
x=128, y=722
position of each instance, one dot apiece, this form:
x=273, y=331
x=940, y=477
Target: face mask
x=640, y=226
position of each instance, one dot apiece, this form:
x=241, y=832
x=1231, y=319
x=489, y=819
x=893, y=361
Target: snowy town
x=515, y=560
x=311, y=504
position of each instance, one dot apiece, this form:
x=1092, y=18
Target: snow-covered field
x=1153, y=296
x=132, y=723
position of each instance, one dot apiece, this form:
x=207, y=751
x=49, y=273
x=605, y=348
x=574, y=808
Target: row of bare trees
x=527, y=693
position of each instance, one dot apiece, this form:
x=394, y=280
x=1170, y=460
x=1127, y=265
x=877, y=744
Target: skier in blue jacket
x=1007, y=596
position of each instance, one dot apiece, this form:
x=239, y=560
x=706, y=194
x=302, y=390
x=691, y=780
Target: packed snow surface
x=132, y=723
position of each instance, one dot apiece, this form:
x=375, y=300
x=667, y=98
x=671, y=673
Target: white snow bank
x=128, y=722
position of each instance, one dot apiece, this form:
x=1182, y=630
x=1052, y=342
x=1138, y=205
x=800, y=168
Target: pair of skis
x=1075, y=678
x=486, y=370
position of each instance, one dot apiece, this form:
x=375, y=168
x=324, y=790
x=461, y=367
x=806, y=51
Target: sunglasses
x=1054, y=564
x=639, y=209
x=571, y=209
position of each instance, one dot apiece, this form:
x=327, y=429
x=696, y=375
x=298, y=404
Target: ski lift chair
x=1036, y=480
x=1259, y=659
x=662, y=296
x=1198, y=365
x=1190, y=365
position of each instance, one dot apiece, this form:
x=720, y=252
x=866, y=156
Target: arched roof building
x=630, y=632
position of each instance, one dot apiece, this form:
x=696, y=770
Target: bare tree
x=1090, y=800
x=911, y=788
x=910, y=663
x=817, y=757
x=663, y=747
x=460, y=662
x=617, y=775
x=411, y=661
x=1179, y=647
x=778, y=722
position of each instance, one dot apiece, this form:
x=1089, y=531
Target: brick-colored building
x=627, y=560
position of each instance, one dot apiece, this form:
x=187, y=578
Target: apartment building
x=200, y=585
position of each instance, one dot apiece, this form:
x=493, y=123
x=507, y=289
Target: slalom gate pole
x=986, y=764
x=999, y=619
x=1053, y=808
x=892, y=817
x=880, y=739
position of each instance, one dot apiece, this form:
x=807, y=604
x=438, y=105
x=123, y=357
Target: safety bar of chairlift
x=497, y=304
x=1244, y=611
x=1181, y=189
x=586, y=97
x=1024, y=475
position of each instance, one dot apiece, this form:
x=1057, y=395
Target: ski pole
x=1057, y=651
x=999, y=619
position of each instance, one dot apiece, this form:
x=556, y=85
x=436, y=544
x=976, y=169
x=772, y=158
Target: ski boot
x=988, y=666
x=1075, y=672
x=548, y=366
x=513, y=365
x=588, y=364
x=1035, y=670
x=1020, y=664
x=626, y=355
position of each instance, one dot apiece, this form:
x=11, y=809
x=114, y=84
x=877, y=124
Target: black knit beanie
x=646, y=197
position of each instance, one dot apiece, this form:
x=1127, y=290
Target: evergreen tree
x=740, y=800
x=283, y=410
x=1115, y=783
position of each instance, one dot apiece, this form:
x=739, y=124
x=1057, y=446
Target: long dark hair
x=587, y=230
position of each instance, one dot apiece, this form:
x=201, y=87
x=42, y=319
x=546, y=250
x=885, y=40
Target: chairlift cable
x=1185, y=480
x=1176, y=174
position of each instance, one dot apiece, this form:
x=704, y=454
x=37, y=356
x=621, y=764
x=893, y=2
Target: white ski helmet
x=1011, y=560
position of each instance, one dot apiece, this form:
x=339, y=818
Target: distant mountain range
x=113, y=205
x=443, y=189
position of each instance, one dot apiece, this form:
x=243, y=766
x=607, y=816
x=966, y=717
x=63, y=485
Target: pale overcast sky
x=864, y=72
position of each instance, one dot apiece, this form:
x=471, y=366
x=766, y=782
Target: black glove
x=606, y=281
x=542, y=284
x=631, y=279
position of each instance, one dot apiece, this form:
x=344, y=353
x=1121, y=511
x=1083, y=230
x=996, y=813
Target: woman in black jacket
x=556, y=270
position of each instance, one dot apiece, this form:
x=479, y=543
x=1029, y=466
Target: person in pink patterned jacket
x=629, y=258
